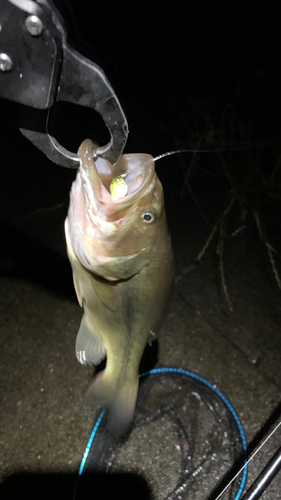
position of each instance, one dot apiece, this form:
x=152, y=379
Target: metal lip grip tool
x=38, y=68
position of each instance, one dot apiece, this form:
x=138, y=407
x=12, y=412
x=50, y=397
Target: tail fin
x=118, y=397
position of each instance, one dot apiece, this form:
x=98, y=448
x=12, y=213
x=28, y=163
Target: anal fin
x=89, y=348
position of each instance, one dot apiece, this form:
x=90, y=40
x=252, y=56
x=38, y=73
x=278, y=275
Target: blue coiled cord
x=208, y=384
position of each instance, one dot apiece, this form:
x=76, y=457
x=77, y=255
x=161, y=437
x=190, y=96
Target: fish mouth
x=105, y=233
x=132, y=172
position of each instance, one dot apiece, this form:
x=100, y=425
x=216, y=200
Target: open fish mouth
x=110, y=209
x=114, y=183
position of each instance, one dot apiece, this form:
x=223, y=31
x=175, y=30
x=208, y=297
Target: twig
x=269, y=248
x=213, y=232
x=220, y=253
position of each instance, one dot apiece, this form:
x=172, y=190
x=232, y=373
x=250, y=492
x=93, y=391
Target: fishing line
x=213, y=388
x=100, y=453
x=217, y=148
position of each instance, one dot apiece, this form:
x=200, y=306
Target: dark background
x=171, y=56
x=187, y=74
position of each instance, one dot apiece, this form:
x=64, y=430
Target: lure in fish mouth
x=120, y=251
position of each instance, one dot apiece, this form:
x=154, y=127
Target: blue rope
x=208, y=384
x=86, y=452
x=230, y=407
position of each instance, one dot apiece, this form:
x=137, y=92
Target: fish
x=120, y=251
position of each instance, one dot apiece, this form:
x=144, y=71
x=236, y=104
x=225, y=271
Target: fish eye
x=148, y=217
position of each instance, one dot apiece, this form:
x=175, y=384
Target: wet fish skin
x=123, y=274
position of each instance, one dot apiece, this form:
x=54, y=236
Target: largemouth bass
x=120, y=251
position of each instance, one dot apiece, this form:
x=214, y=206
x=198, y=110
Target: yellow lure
x=118, y=188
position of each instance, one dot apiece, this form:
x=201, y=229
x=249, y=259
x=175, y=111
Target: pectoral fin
x=103, y=291
x=89, y=348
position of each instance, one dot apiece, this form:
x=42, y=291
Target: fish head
x=114, y=236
